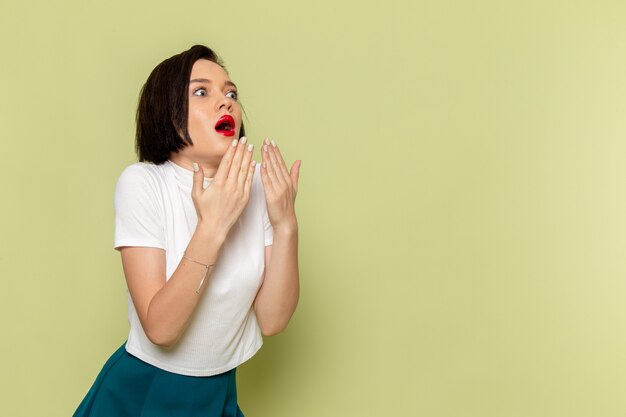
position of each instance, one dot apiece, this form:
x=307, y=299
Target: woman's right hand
x=220, y=204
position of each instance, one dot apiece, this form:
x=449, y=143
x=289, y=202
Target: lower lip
x=226, y=132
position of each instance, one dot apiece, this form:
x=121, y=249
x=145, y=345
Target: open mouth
x=225, y=126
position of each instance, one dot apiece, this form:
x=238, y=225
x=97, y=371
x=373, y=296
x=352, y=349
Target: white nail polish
x=234, y=142
x=273, y=143
x=253, y=163
x=265, y=148
x=195, y=167
x=267, y=141
x=243, y=139
x=250, y=147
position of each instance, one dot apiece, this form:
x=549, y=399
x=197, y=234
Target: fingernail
x=253, y=163
x=235, y=142
x=243, y=140
x=273, y=143
x=265, y=148
x=250, y=147
x=267, y=141
x=195, y=167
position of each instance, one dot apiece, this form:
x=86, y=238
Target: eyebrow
x=205, y=80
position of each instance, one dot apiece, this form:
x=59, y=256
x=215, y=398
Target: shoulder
x=257, y=184
x=141, y=175
x=257, y=192
x=257, y=181
x=141, y=171
x=140, y=180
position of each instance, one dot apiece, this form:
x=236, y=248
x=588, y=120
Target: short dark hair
x=164, y=105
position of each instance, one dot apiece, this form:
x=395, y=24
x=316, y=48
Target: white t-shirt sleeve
x=139, y=219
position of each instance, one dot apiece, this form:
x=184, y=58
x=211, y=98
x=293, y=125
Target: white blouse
x=153, y=208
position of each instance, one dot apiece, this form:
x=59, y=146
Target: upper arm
x=144, y=269
x=139, y=235
x=268, y=256
x=139, y=213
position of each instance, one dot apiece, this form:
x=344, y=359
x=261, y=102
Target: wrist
x=208, y=232
x=289, y=227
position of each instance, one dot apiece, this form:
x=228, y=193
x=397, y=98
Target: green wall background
x=462, y=202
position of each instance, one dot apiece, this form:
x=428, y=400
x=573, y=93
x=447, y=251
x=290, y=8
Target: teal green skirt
x=129, y=387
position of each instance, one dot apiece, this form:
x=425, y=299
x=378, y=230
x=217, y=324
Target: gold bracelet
x=208, y=267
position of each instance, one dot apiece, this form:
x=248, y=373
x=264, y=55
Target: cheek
x=238, y=115
x=192, y=121
x=196, y=123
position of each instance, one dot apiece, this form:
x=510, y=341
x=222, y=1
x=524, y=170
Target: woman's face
x=214, y=117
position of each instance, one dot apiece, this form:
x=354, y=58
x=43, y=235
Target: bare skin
x=166, y=307
x=278, y=296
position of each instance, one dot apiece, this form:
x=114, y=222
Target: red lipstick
x=225, y=126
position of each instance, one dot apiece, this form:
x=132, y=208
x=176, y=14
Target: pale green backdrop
x=462, y=200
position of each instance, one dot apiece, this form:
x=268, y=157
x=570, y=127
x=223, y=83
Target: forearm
x=172, y=307
x=278, y=297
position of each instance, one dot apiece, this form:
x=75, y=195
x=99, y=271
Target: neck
x=183, y=161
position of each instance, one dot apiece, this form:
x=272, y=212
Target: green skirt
x=129, y=387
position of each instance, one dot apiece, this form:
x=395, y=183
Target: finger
x=233, y=172
x=281, y=161
x=248, y=184
x=273, y=161
x=224, y=167
x=198, y=182
x=294, y=174
x=267, y=185
x=245, y=165
x=268, y=167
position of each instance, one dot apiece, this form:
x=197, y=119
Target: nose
x=224, y=102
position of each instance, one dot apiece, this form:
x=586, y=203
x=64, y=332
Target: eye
x=232, y=94
x=199, y=92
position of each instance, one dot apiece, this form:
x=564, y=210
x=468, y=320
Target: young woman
x=209, y=246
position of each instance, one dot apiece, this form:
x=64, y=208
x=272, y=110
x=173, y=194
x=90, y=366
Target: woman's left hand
x=281, y=186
